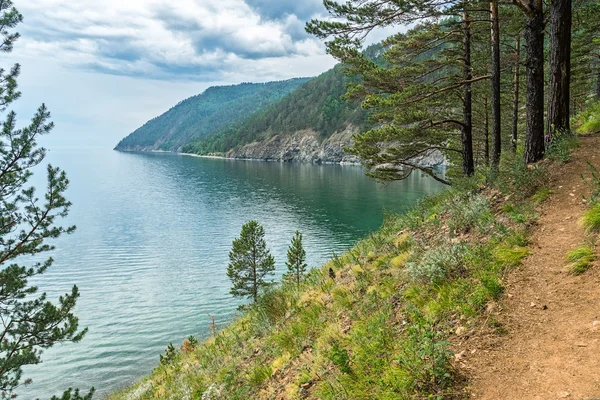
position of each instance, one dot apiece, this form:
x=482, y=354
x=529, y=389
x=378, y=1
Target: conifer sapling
x=296, y=260
x=250, y=262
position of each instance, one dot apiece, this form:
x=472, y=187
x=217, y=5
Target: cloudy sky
x=104, y=67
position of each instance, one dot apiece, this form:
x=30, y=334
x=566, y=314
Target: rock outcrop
x=306, y=146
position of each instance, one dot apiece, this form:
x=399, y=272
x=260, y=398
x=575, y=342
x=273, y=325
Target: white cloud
x=187, y=39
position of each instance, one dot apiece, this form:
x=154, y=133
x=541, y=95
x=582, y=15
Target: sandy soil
x=551, y=348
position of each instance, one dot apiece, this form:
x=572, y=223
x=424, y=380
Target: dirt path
x=552, y=348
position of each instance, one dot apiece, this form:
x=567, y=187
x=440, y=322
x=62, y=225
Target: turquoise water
x=151, y=248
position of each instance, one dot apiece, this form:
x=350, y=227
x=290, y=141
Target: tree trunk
x=467, y=127
x=486, y=132
x=559, y=95
x=534, y=36
x=516, y=88
x=495, y=82
x=598, y=83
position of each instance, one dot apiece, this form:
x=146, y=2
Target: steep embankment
x=393, y=318
x=206, y=114
x=551, y=347
x=311, y=124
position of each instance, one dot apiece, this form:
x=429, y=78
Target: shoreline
x=343, y=163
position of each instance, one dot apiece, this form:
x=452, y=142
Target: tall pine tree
x=30, y=322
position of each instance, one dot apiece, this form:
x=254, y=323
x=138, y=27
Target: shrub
x=588, y=121
x=561, y=147
x=438, y=264
x=581, y=259
x=340, y=358
x=467, y=213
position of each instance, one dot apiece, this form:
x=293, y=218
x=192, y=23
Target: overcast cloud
x=107, y=66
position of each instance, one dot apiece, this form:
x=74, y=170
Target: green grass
x=591, y=219
x=588, y=121
x=580, y=259
x=382, y=328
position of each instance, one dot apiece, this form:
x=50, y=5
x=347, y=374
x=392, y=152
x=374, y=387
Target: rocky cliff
x=305, y=146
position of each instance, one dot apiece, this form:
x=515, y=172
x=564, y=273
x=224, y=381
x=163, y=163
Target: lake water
x=151, y=248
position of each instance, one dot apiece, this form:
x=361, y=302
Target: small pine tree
x=250, y=262
x=296, y=260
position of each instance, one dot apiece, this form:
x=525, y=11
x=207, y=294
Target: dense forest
x=206, y=114
x=316, y=105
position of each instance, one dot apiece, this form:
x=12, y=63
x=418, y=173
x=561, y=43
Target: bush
x=581, y=259
x=468, y=213
x=588, y=121
x=561, y=147
x=438, y=264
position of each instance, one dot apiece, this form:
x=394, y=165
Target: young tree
x=250, y=262
x=296, y=260
x=30, y=322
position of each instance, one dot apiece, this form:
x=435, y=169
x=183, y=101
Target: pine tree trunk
x=467, y=127
x=486, y=132
x=495, y=82
x=516, y=88
x=559, y=95
x=534, y=36
x=598, y=83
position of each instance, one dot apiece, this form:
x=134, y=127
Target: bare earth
x=552, y=347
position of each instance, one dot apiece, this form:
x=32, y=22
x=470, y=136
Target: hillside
x=403, y=313
x=316, y=106
x=206, y=114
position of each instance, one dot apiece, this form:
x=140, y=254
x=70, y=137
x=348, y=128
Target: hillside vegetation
x=376, y=322
x=316, y=105
x=206, y=114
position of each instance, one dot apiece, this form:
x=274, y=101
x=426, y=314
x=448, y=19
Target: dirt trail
x=552, y=348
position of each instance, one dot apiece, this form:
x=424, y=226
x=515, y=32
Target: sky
x=104, y=67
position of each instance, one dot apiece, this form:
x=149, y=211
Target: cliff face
x=305, y=146
x=302, y=146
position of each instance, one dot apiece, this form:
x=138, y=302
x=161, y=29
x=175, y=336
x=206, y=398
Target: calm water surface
x=152, y=241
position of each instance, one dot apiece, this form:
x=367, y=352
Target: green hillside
x=315, y=105
x=206, y=114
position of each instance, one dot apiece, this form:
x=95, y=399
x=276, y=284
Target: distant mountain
x=315, y=106
x=207, y=114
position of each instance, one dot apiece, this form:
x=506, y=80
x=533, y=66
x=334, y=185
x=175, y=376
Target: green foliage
x=296, y=264
x=437, y=264
x=207, y=114
x=30, y=322
x=259, y=374
x=561, y=147
x=580, y=259
x=591, y=219
x=315, y=105
x=170, y=355
x=340, y=358
x=250, y=262
x=71, y=394
x=510, y=256
x=468, y=213
x=588, y=121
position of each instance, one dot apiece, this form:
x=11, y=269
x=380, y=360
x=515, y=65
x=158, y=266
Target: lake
x=151, y=248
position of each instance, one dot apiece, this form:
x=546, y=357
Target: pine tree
x=30, y=323
x=250, y=262
x=296, y=260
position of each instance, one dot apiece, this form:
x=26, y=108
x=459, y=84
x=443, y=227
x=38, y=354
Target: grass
x=382, y=328
x=580, y=259
x=591, y=219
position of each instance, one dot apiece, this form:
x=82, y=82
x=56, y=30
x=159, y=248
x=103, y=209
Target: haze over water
x=152, y=242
